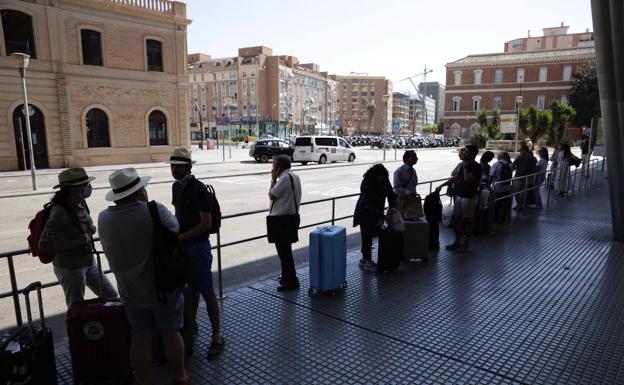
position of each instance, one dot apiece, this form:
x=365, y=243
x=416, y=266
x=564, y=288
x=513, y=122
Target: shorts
x=465, y=207
x=165, y=317
x=200, y=256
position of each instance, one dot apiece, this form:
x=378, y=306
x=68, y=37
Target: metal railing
x=15, y=291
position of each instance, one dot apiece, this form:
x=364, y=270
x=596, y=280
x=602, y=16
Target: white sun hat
x=124, y=183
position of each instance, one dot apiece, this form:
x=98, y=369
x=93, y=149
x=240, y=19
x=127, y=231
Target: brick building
x=552, y=38
x=355, y=93
x=261, y=93
x=106, y=82
x=503, y=81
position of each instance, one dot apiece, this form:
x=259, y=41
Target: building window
x=244, y=89
x=498, y=76
x=91, y=47
x=458, y=75
x=477, y=76
x=154, y=55
x=543, y=74
x=18, y=33
x=541, y=102
x=520, y=75
x=157, y=128
x=252, y=87
x=497, y=103
x=97, y=128
x=516, y=43
x=476, y=103
x=567, y=72
x=456, y=101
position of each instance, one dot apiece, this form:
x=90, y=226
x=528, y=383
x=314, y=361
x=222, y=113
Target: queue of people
x=126, y=230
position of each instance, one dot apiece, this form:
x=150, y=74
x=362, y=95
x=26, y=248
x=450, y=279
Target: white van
x=322, y=149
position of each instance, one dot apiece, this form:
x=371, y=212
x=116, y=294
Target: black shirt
x=189, y=200
x=468, y=189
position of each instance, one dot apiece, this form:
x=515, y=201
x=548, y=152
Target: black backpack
x=506, y=173
x=433, y=207
x=215, y=211
x=171, y=264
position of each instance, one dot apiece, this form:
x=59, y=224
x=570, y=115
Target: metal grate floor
x=539, y=302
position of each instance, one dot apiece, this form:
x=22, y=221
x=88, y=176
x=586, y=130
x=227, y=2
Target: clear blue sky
x=389, y=37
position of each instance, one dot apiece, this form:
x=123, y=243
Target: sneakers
x=215, y=349
x=370, y=266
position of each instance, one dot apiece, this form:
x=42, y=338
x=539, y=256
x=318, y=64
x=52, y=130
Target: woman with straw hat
x=68, y=233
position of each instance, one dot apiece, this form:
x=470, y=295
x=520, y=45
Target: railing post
x=15, y=291
x=219, y=271
x=574, y=181
x=548, y=174
x=333, y=211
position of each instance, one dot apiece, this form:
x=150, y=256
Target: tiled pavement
x=539, y=302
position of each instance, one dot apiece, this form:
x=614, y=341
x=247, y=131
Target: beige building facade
x=356, y=93
x=106, y=82
x=257, y=92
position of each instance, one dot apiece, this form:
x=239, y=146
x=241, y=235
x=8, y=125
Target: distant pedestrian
x=500, y=182
x=406, y=181
x=193, y=203
x=369, y=209
x=466, y=187
x=68, y=233
x=563, y=173
x=523, y=165
x=585, y=156
x=285, y=196
x=540, y=177
x=126, y=232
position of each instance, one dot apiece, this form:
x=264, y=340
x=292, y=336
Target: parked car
x=264, y=150
x=322, y=149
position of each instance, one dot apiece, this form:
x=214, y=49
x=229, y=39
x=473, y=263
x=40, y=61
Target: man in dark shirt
x=466, y=188
x=524, y=164
x=192, y=203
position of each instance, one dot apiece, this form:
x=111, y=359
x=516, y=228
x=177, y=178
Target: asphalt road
x=236, y=194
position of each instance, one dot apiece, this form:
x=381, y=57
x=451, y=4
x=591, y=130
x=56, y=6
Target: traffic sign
x=350, y=123
x=338, y=122
x=508, y=123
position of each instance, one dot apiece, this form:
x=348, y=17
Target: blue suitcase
x=328, y=259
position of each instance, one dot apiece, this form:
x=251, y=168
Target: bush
x=478, y=140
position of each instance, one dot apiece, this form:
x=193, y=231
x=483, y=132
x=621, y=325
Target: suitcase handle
x=26, y=291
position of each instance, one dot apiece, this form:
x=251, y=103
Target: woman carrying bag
x=283, y=220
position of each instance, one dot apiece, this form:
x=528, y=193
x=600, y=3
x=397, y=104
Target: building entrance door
x=37, y=130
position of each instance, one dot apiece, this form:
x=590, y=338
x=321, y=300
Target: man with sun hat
x=126, y=231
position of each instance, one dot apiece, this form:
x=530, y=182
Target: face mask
x=183, y=178
x=87, y=191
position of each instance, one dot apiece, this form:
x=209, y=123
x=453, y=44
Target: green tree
x=371, y=109
x=523, y=121
x=428, y=129
x=494, y=126
x=482, y=118
x=543, y=124
x=585, y=98
x=562, y=115
x=440, y=126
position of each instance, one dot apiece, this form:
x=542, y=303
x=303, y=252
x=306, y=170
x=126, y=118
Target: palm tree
x=370, y=107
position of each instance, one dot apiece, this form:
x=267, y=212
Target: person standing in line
x=554, y=166
x=285, y=196
x=369, y=209
x=193, y=203
x=522, y=167
x=68, y=233
x=484, y=163
x=563, y=173
x=585, y=156
x=126, y=231
x=466, y=189
x=406, y=179
x=541, y=167
x=499, y=180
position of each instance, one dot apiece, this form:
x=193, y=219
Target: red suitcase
x=99, y=341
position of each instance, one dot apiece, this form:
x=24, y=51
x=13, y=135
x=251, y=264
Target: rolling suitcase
x=390, y=250
x=416, y=241
x=27, y=352
x=99, y=339
x=328, y=259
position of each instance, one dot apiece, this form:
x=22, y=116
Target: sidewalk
x=539, y=302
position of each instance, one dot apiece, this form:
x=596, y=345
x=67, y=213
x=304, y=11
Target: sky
x=392, y=38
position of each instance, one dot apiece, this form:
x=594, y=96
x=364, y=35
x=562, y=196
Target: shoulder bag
x=284, y=228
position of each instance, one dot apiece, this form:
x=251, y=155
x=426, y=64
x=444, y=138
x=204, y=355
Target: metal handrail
x=218, y=247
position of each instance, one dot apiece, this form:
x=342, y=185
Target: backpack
x=215, y=211
x=574, y=161
x=36, y=226
x=171, y=264
x=506, y=173
x=433, y=207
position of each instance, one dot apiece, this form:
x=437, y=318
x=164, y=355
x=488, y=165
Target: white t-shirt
x=284, y=204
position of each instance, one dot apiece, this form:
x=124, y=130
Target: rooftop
x=525, y=57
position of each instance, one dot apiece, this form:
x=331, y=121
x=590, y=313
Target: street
x=236, y=194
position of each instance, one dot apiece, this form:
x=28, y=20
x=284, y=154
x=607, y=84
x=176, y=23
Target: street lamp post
x=201, y=127
x=386, y=98
x=22, y=63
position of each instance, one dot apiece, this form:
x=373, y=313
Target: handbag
x=395, y=221
x=284, y=228
x=412, y=208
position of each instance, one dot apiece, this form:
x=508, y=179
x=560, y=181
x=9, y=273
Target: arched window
x=157, y=128
x=91, y=47
x=18, y=33
x=97, y=128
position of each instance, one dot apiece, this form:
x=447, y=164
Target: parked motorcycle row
x=403, y=141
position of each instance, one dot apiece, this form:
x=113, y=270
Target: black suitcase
x=390, y=250
x=27, y=352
